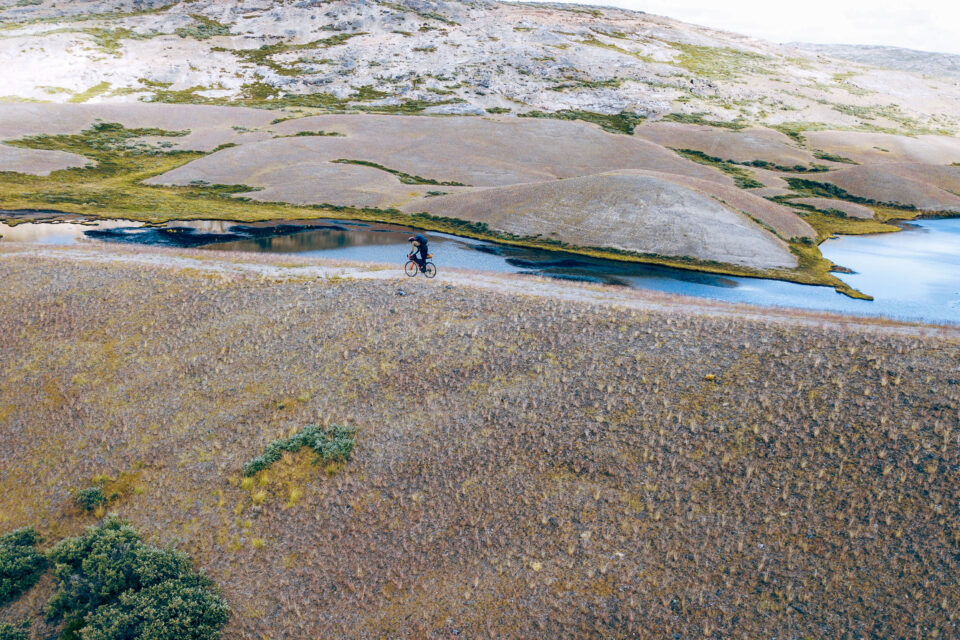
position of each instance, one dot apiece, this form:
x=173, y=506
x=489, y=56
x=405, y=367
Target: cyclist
x=418, y=250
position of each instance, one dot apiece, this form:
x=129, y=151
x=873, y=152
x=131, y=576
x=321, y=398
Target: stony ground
x=449, y=57
x=526, y=466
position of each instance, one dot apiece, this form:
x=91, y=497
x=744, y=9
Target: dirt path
x=289, y=267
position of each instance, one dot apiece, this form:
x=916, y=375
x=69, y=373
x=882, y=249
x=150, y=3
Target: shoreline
x=794, y=276
x=283, y=267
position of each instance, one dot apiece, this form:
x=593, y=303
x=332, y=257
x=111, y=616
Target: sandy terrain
x=474, y=151
x=908, y=185
x=527, y=467
x=37, y=161
x=737, y=146
x=210, y=126
x=872, y=148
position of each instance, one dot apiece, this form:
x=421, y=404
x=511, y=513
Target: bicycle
x=412, y=268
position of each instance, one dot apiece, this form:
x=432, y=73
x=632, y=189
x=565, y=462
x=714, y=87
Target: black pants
x=421, y=257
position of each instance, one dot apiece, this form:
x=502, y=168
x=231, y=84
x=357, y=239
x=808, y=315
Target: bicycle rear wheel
x=429, y=270
x=411, y=268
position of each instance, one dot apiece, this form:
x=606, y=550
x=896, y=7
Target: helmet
x=411, y=239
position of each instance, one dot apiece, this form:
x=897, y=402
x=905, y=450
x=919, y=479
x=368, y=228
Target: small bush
x=90, y=498
x=333, y=444
x=10, y=632
x=20, y=563
x=112, y=586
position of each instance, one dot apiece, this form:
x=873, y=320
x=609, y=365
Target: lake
x=912, y=275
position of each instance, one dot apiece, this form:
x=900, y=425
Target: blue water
x=912, y=275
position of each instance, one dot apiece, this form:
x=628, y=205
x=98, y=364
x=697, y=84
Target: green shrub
x=20, y=563
x=10, y=632
x=112, y=586
x=333, y=444
x=90, y=498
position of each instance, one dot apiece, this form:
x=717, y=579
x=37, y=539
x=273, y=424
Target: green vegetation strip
x=830, y=157
x=811, y=188
x=698, y=119
x=703, y=158
x=741, y=176
x=405, y=178
x=321, y=133
x=623, y=122
x=331, y=444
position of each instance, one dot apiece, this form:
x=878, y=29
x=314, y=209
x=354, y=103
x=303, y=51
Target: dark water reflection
x=913, y=275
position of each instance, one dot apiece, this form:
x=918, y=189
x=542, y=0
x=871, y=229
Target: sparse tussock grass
x=820, y=460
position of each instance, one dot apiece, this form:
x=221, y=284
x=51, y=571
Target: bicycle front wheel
x=411, y=269
x=429, y=270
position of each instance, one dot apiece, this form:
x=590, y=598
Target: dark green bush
x=112, y=586
x=20, y=563
x=90, y=498
x=10, y=632
x=333, y=444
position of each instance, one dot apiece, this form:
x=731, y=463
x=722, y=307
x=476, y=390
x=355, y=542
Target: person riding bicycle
x=418, y=251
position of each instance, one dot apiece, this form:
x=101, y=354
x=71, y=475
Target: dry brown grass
x=524, y=468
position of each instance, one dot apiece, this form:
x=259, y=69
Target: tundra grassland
x=522, y=468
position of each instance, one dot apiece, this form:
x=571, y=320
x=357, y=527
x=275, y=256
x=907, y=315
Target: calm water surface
x=913, y=274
